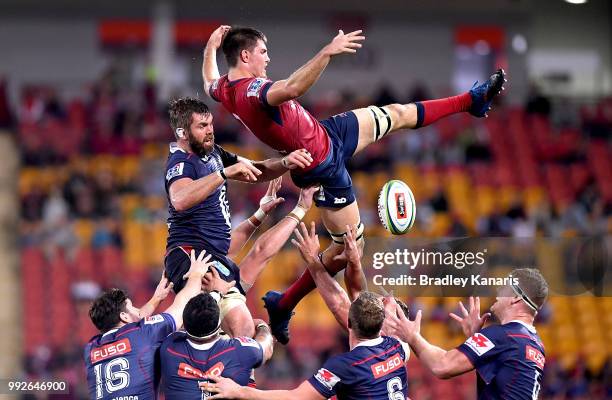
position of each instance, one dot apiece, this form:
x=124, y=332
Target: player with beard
x=199, y=215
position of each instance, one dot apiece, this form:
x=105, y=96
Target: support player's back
x=121, y=363
x=374, y=369
x=184, y=363
x=509, y=360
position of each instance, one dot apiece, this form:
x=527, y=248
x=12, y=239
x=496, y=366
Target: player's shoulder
x=176, y=153
x=245, y=342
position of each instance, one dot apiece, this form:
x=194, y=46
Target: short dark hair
x=531, y=281
x=106, y=309
x=403, y=306
x=181, y=110
x=238, y=39
x=366, y=315
x=201, y=315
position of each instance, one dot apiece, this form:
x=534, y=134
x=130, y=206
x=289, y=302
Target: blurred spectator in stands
x=6, y=116
x=385, y=96
x=58, y=231
x=537, y=103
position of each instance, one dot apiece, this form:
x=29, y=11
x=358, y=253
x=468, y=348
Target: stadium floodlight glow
x=576, y=1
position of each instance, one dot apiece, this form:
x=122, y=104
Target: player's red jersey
x=285, y=128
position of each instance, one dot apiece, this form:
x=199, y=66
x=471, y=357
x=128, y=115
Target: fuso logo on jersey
x=189, y=372
x=154, y=319
x=385, y=367
x=327, y=378
x=110, y=350
x=255, y=87
x=533, y=354
x=177, y=170
x=479, y=343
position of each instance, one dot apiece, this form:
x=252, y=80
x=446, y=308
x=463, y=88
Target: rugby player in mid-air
x=120, y=360
x=270, y=110
x=509, y=357
x=199, y=215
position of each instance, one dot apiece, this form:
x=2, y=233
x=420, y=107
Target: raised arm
x=226, y=388
x=354, y=278
x=332, y=293
x=305, y=77
x=242, y=233
x=443, y=364
x=210, y=70
x=263, y=335
x=275, y=167
x=186, y=192
x=270, y=242
x=162, y=291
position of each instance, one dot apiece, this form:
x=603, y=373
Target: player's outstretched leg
x=377, y=122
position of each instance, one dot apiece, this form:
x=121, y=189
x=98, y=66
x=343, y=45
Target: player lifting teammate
x=270, y=110
x=199, y=216
x=120, y=360
x=509, y=357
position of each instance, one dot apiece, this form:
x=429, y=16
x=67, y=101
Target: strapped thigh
x=338, y=238
x=382, y=122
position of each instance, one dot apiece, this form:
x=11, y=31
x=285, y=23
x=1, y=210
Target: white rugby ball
x=396, y=207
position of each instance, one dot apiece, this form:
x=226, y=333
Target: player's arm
x=271, y=241
x=263, y=335
x=210, y=70
x=225, y=388
x=334, y=296
x=242, y=233
x=443, y=364
x=162, y=291
x=275, y=167
x=186, y=192
x=305, y=77
x=354, y=277
x=197, y=270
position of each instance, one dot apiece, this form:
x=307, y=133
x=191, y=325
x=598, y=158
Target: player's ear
x=244, y=55
x=124, y=317
x=180, y=132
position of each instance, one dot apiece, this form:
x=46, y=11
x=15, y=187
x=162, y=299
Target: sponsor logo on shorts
x=479, y=343
x=386, y=367
x=339, y=200
x=533, y=354
x=110, y=350
x=327, y=378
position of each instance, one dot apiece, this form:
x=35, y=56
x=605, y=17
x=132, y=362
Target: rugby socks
x=300, y=288
x=430, y=111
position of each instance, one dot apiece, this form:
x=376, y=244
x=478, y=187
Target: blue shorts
x=331, y=174
x=178, y=262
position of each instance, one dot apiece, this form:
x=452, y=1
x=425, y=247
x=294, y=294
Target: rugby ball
x=396, y=207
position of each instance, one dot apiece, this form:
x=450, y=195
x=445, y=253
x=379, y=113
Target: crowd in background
x=112, y=119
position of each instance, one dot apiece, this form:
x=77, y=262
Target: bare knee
x=402, y=115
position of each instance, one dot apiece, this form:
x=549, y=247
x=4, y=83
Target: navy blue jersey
x=121, y=363
x=206, y=225
x=509, y=359
x=374, y=370
x=184, y=363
